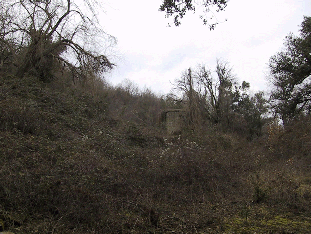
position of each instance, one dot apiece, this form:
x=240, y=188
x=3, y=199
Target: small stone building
x=173, y=120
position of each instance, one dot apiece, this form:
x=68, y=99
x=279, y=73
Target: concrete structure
x=173, y=120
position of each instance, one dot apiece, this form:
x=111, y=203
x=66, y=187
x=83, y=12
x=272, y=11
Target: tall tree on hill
x=216, y=91
x=252, y=109
x=215, y=97
x=226, y=83
x=187, y=86
x=45, y=31
x=291, y=75
x=208, y=98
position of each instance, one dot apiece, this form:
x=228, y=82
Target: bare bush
x=48, y=35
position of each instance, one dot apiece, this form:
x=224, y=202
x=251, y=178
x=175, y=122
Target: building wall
x=174, y=121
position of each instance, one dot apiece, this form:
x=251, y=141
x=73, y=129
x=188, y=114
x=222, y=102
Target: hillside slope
x=68, y=166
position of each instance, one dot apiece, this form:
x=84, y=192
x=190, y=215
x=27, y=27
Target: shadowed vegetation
x=72, y=163
x=81, y=156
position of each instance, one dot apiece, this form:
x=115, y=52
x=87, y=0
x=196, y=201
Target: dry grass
x=70, y=163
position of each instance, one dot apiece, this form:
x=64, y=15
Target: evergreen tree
x=291, y=75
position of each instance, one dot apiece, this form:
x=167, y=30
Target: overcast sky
x=153, y=55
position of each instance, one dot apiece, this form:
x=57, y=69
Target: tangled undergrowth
x=68, y=165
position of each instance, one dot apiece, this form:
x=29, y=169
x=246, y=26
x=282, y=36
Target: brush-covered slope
x=68, y=165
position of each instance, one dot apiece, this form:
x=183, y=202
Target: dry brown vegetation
x=78, y=159
x=80, y=156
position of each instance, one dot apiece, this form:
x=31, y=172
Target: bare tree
x=187, y=85
x=217, y=92
x=215, y=97
x=226, y=81
x=47, y=33
x=6, y=44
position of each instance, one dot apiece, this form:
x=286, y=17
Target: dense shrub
x=70, y=163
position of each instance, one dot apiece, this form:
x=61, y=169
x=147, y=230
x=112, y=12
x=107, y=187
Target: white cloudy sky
x=153, y=55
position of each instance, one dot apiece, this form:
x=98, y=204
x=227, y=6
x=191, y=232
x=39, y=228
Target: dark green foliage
x=251, y=108
x=291, y=71
x=179, y=8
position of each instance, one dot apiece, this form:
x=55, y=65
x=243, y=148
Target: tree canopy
x=215, y=98
x=179, y=8
x=291, y=75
